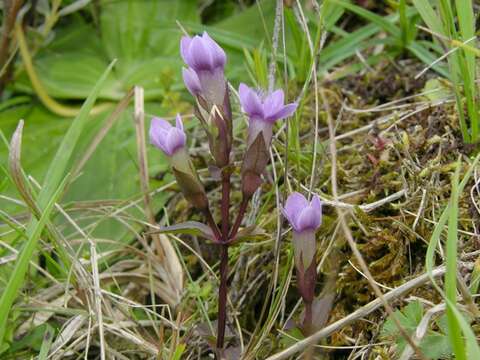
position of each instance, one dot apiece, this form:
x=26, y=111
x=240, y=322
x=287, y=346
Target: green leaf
x=429, y=16
x=250, y=233
x=436, y=346
x=194, y=228
x=51, y=191
x=110, y=176
x=142, y=35
x=409, y=318
x=455, y=332
x=179, y=350
x=378, y=20
x=47, y=343
x=34, y=339
x=33, y=231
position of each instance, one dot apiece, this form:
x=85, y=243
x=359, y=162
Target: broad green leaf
x=409, y=318
x=436, y=346
x=110, y=176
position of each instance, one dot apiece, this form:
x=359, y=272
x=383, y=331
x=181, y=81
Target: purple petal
x=159, y=129
x=250, y=101
x=191, y=80
x=295, y=203
x=166, y=137
x=184, y=48
x=316, y=204
x=309, y=219
x=175, y=140
x=218, y=55
x=273, y=102
x=200, y=55
x=282, y=113
x=179, y=123
x=159, y=123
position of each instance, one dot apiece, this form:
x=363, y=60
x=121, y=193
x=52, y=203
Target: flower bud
x=166, y=137
x=171, y=140
x=205, y=80
x=206, y=60
x=305, y=218
x=192, y=82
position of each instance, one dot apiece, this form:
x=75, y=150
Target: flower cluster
x=205, y=79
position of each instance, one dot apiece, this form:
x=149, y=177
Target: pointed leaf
x=250, y=233
x=191, y=188
x=194, y=228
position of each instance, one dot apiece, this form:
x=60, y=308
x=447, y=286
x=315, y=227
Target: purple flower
x=206, y=61
x=302, y=215
x=166, y=137
x=201, y=53
x=305, y=218
x=192, y=82
x=263, y=111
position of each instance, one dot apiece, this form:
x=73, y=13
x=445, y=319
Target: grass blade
x=47, y=343
x=34, y=230
x=429, y=16
x=53, y=186
x=435, y=238
x=455, y=332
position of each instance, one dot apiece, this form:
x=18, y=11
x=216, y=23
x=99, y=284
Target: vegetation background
x=386, y=132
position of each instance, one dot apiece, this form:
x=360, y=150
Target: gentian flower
x=206, y=61
x=172, y=140
x=166, y=137
x=263, y=111
x=305, y=218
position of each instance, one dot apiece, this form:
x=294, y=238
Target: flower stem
x=213, y=225
x=222, y=299
x=238, y=220
x=307, y=321
x=307, y=328
x=225, y=206
x=222, y=292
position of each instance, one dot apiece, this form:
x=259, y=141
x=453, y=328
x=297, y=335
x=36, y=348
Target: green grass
x=56, y=179
x=455, y=333
x=367, y=50
x=442, y=21
x=458, y=326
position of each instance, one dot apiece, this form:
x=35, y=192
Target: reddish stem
x=222, y=293
x=307, y=321
x=213, y=225
x=222, y=299
x=307, y=328
x=238, y=220
x=225, y=206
